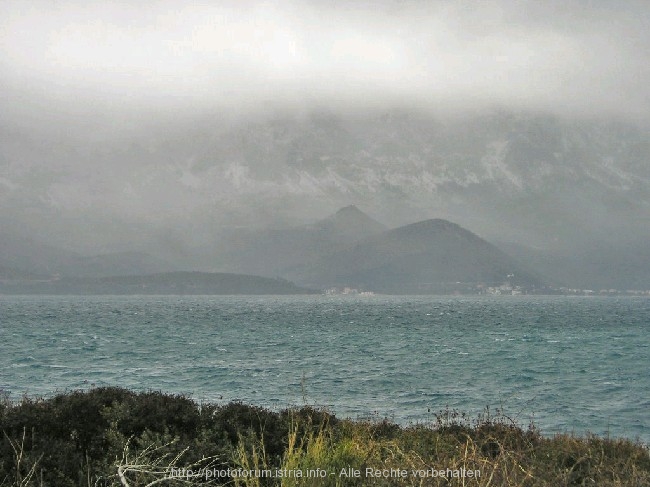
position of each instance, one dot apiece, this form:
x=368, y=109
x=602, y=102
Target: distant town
x=506, y=289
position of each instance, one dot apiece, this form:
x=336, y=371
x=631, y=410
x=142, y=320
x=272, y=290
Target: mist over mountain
x=32, y=258
x=272, y=251
x=432, y=256
x=240, y=197
x=189, y=193
x=527, y=176
x=600, y=266
x=10, y=274
x=188, y=134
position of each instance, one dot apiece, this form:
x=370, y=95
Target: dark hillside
x=165, y=283
x=424, y=257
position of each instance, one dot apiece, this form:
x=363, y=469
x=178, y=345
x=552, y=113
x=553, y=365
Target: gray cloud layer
x=76, y=58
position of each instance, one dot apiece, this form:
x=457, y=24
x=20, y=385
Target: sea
x=577, y=365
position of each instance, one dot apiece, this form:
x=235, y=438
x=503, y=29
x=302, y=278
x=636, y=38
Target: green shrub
x=83, y=438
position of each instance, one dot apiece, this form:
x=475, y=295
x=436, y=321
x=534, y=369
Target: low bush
x=116, y=437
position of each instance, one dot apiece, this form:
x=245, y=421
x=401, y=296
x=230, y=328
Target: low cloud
x=575, y=58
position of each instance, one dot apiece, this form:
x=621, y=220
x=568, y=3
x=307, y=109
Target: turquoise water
x=568, y=364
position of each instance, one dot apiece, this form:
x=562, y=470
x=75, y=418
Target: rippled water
x=568, y=364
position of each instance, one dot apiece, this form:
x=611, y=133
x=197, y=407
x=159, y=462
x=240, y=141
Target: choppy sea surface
x=568, y=364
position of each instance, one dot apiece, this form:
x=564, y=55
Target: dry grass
x=497, y=453
x=115, y=437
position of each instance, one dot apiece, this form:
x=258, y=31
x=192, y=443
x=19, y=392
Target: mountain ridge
x=184, y=193
x=269, y=252
x=177, y=283
x=494, y=171
x=429, y=256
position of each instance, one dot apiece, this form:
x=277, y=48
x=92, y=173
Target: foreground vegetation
x=116, y=437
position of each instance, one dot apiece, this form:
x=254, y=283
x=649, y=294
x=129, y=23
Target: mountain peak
x=351, y=215
x=350, y=210
x=351, y=222
x=428, y=226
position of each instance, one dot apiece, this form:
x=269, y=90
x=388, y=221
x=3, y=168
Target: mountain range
x=569, y=195
x=432, y=256
x=347, y=249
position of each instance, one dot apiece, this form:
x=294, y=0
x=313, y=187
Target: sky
x=100, y=100
x=73, y=60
